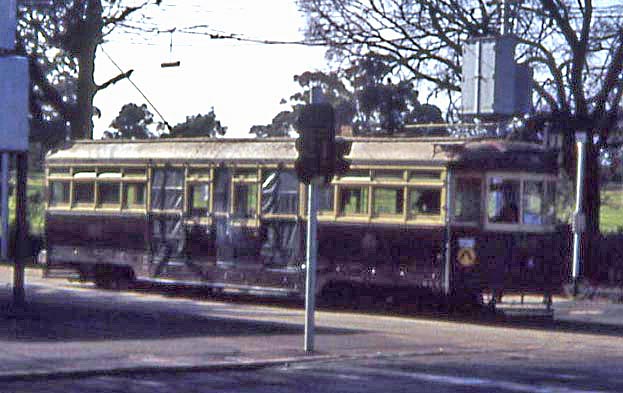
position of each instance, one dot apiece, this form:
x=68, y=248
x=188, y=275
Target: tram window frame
x=204, y=208
x=467, y=219
x=103, y=194
x=65, y=192
x=522, y=224
x=247, y=177
x=251, y=208
x=286, y=201
x=398, y=201
x=326, y=199
x=169, y=189
x=76, y=191
x=125, y=199
x=364, y=201
x=415, y=214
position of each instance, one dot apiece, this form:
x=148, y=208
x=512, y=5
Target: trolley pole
x=312, y=250
x=579, y=219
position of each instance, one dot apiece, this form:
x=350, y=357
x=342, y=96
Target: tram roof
x=260, y=150
x=399, y=151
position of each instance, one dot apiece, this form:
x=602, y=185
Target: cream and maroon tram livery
x=447, y=216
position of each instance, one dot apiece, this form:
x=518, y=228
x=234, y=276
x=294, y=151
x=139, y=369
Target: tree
x=61, y=38
x=131, y=123
x=574, y=47
x=198, y=126
x=361, y=99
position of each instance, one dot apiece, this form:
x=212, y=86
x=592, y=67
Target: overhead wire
x=166, y=123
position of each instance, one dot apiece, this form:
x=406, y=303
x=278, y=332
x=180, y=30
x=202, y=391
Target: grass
x=611, y=213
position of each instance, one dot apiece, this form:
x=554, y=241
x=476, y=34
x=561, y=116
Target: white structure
x=8, y=24
x=493, y=84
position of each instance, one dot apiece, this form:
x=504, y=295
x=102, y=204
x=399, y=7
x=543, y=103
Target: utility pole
x=311, y=248
x=579, y=218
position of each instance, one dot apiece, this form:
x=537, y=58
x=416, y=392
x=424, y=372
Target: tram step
x=69, y=274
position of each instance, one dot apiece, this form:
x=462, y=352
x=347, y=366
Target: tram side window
x=325, y=198
x=245, y=200
x=388, y=201
x=533, y=203
x=84, y=193
x=59, y=193
x=549, y=204
x=354, y=200
x=503, y=200
x=133, y=195
x=199, y=199
x=222, y=179
x=280, y=192
x=424, y=201
x=467, y=203
x=167, y=189
x=108, y=193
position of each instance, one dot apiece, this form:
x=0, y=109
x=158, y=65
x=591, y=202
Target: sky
x=244, y=82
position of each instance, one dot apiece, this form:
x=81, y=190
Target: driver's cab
x=504, y=186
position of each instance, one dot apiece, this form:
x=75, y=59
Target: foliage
x=198, y=126
x=61, y=38
x=362, y=99
x=131, y=123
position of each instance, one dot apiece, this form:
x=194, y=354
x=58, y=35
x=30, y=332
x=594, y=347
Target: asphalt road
x=72, y=325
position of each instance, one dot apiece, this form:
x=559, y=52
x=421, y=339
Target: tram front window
x=503, y=200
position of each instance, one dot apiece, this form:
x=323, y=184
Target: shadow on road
x=65, y=316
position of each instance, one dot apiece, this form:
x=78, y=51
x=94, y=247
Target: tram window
x=533, y=203
x=247, y=173
x=467, y=202
x=395, y=176
x=388, y=201
x=134, y=172
x=424, y=201
x=245, y=200
x=58, y=171
x=59, y=193
x=199, y=198
x=108, y=193
x=84, y=192
x=221, y=189
x=133, y=195
x=280, y=192
x=503, y=200
x=354, y=200
x=167, y=189
x=357, y=175
x=325, y=198
x=424, y=175
x=549, y=204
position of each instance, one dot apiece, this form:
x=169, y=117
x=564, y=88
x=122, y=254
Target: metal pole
x=4, y=202
x=578, y=226
x=448, y=264
x=504, y=15
x=21, y=229
x=312, y=249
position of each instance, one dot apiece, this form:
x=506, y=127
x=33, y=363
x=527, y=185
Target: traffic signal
x=316, y=142
x=342, y=149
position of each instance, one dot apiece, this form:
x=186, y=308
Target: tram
x=456, y=217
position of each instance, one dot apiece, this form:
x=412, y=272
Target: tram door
x=168, y=234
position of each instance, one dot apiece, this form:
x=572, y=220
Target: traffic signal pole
x=310, y=265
